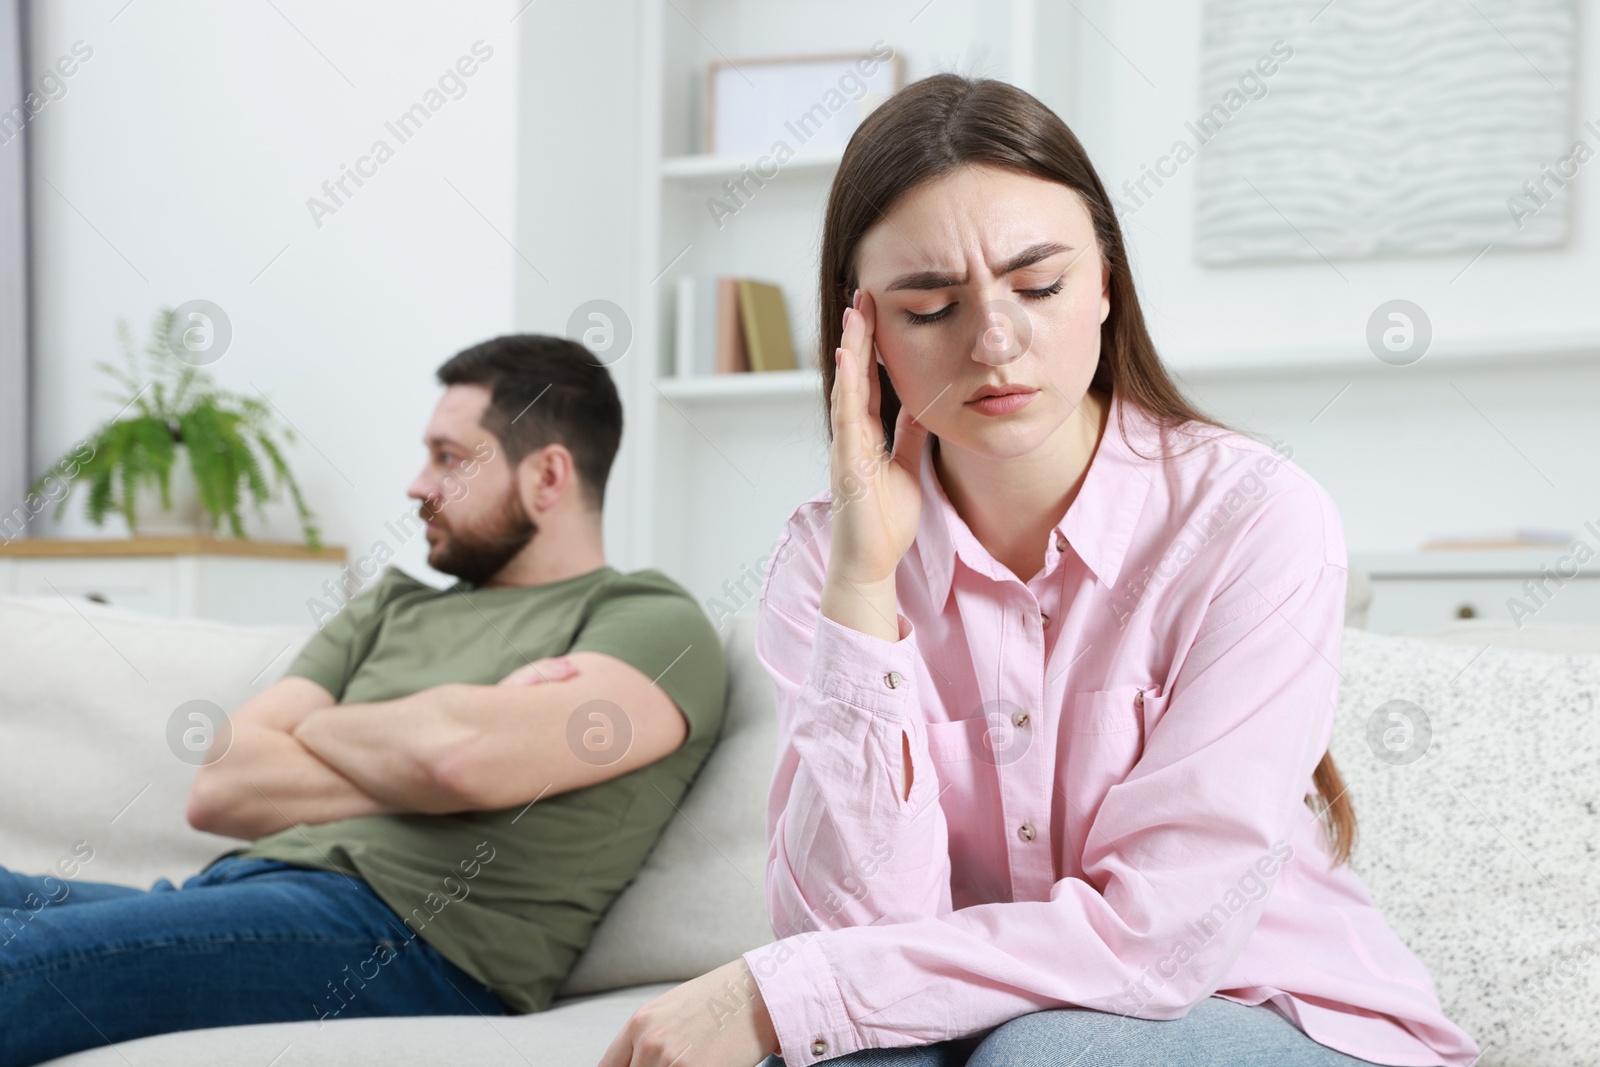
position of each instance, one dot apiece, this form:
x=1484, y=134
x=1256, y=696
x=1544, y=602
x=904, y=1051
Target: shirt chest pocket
x=1000, y=735
x=1110, y=711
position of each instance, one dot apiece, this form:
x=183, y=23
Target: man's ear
x=544, y=477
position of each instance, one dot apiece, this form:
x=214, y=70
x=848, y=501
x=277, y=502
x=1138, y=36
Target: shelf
x=714, y=387
x=717, y=167
x=1450, y=563
x=113, y=547
x=1450, y=355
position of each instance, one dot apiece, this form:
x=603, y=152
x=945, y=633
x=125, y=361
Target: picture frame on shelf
x=808, y=102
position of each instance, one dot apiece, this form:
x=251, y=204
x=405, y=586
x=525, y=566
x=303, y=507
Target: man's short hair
x=545, y=390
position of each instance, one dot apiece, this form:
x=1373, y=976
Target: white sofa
x=1485, y=854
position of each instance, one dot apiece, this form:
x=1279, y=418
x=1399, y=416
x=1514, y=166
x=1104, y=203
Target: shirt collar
x=1098, y=525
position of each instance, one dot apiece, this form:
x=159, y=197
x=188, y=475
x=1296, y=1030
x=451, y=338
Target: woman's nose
x=1004, y=333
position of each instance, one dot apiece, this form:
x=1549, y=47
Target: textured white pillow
x=1483, y=851
x=699, y=901
x=1563, y=637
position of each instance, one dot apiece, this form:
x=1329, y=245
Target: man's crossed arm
x=296, y=756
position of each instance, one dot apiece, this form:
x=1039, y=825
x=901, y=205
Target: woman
x=1057, y=662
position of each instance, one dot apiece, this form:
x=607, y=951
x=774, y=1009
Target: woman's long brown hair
x=947, y=121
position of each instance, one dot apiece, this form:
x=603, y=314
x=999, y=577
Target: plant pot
x=185, y=518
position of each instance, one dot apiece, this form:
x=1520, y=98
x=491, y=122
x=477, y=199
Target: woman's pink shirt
x=1110, y=768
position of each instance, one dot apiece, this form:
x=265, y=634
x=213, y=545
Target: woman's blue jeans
x=1215, y=1033
x=84, y=964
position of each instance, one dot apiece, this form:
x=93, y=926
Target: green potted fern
x=183, y=455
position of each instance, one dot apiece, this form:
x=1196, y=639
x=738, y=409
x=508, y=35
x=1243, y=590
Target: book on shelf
x=728, y=325
x=731, y=357
x=696, y=323
x=766, y=326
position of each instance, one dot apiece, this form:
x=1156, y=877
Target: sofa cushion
x=699, y=900
x=88, y=698
x=85, y=757
x=1478, y=810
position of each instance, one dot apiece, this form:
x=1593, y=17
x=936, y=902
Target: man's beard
x=476, y=555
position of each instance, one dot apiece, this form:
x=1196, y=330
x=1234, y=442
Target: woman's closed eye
x=917, y=318
x=922, y=319
x=1043, y=294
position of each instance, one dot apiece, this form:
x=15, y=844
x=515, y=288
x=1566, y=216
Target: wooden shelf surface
x=114, y=547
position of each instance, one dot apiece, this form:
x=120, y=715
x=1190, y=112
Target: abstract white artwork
x=1385, y=128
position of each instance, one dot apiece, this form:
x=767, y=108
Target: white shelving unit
x=723, y=460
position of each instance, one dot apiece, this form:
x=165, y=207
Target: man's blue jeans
x=246, y=941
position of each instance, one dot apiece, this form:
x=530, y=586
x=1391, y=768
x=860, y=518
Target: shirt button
x=1138, y=700
x=894, y=680
x=1025, y=831
x=1019, y=718
x=1045, y=619
x=818, y=1047
x=1061, y=542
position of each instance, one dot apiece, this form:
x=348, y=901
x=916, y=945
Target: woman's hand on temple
x=877, y=496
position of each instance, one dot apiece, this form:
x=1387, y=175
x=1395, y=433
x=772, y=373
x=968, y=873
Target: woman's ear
x=1105, y=289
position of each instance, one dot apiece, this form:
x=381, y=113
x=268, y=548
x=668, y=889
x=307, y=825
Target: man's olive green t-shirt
x=512, y=896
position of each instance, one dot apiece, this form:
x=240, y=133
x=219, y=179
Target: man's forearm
x=268, y=781
x=390, y=749
x=459, y=747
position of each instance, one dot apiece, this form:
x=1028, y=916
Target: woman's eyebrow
x=935, y=279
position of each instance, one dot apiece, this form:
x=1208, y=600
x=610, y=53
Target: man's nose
x=422, y=487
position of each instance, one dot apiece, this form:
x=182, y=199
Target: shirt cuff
x=802, y=999
x=863, y=671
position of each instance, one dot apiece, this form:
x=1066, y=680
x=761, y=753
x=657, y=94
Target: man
x=448, y=788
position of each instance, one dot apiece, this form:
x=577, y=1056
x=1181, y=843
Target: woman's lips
x=1004, y=404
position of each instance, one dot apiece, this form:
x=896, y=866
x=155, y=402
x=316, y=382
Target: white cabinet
x=1426, y=590
x=184, y=577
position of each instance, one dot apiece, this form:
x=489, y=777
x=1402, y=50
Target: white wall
x=178, y=165
x=577, y=195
